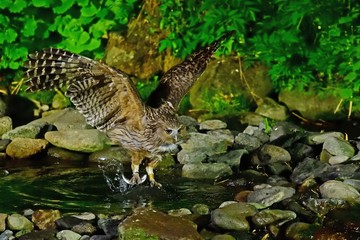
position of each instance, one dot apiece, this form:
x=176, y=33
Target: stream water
x=79, y=186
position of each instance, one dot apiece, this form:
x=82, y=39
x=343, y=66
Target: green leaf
x=17, y=6
x=29, y=27
x=84, y=37
x=346, y=19
x=5, y=4
x=89, y=11
x=41, y=3
x=350, y=76
x=82, y=3
x=101, y=27
x=14, y=65
x=93, y=44
x=65, y=5
x=10, y=35
x=346, y=93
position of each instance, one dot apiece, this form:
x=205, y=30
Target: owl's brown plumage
x=110, y=102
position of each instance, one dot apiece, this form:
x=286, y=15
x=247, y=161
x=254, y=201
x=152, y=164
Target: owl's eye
x=168, y=131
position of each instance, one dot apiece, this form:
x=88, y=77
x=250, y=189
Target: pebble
x=65, y=155
x=273, y=216
x=45, y=219
x=3, y=217
x=338, y=147
x=88, y=216
x=212, y=124
x=339, y=190
x=206, y=170
x=319, y=138
x=21, y=148
x=25, y=131
x=5, y=125
x=18, y=222
x=231, y=158
x=270, y=195
x=201, y=209
x=68, y=235
x=272, y=154
x=84, y=228
x=247, y=142
x=109, y=226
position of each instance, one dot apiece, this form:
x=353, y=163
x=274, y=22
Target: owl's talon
x=154, y=183
x=135, y=180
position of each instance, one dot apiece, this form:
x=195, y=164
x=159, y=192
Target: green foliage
x=304, y=43
x=75, y=25
x=226, y=104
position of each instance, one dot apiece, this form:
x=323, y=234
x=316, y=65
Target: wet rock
x=319, y=138
x=337, y=159
x=84, y=228
x=65, y=119
x=6, y=235
x=271, y=109
x=145, y=223
x=223, y=134
x=67, y=222
x=247, y=142
x=339, y=171
x=88, y=140
x=64, y=154
x=269, y=195
x=212, y=124
x=25, y=147
x=322, y=206
x=25, y=131
x=273, y=216
x=87, y=216
x=5, y=125
x=4, y=143
x=179, y=212
x=100, y=237
x=278, y=168
x=233, y=216
x=118, y=153
x=206, y=170
x=338, y=147
x=199, y=146
x=223, y=237
x=353, y=182
x=48, y=234
x=3, y=217
x=339, y=190
x=344, y=220
x=18, y=222
x=300, y=151
x=309, y=168
x=231, y=158
x=300, y=231
x=109, y=226
x=190, y=123
x=68, y=235
x=201, y=209
x=272, y=154
x=251, y=118
x=45, y=219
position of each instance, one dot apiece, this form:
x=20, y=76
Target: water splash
x=112, y=171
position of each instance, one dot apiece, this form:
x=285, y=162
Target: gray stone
x=223, y=134
x=299, y=231
x=271, y=109
x=18, y=222
x=273, y=216
x=322, y=206
x=64, y=154
x=233, y=216
x=5, y=125
x=84, y=228
x=278, y=168
x=272, y=154
x=250, y=130
x=25, y=131
x=339, y=190
x=48, y=234
x=25, y=147
x=85, y=237
x=3, y=217
x=309, y=168
x=4, y=143
x=109, y=226
x=118, y=153
x=251, y=118
x=353, y=182
x=179, y=212
x=67, y=222
x=87, y=140
x=270, y=195
x=338, y=147
x=223, y=237
x=188, y=156
x=88, y=216
x=6, y=235
x=100, y=237
x=212, y=124
x=339, y=171
x=231, y=158
x=338, y=159
x=319, y=138
x=247, y=142
x=201, y=209
x=206, y=170
x=68, y=235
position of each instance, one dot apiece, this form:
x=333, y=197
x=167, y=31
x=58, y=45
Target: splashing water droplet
x=112, y=170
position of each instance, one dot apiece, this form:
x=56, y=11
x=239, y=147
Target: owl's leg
x=136, y=159
x=150, y=172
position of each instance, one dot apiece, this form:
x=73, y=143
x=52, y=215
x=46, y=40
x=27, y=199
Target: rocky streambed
x=284, y=183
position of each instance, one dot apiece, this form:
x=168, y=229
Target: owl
x=110, y=102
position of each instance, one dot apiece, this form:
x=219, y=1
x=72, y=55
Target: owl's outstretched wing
x=106, y=97
x=178, y=80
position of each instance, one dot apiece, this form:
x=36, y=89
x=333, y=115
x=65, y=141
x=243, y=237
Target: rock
x=190, y=123
x=84, y=228
x=25, y=147
x=273, y=154
x=339, y=171
x=344, y=220
x=271, y=109
x=146, y=223
x=212, y=124
x=319, y=138
x=3, y=217
x=4, y=143
x=45, y=219
x=109, y=226
x=233, y=216
x=273, y=217
x=18, y=222
x=25, y=131
x=60, y=101
x=300, y=231
x=201, y=209
x=247, y=142
x=67, y=222
x=338, y=147
x=270, y=195
x=65, y=119
x=65, y=155
x=118, y=153
x=353, y=182
x=68, y=235
x=206, y=170
x=322, y=206
x=199, y=146
x=223, y=134
x=251, y=118
x=87, y=216
x=231, y=158
x=179, y=212
x=100, y=237
x=48, y=234
x=279, y=168
x=339, y=190
x=87, y=140
x=300, y=151
x=5, y=125
x=6, y=235
x=338, y=159
x=223, y=237
x=311, y=105
x=309, y=168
